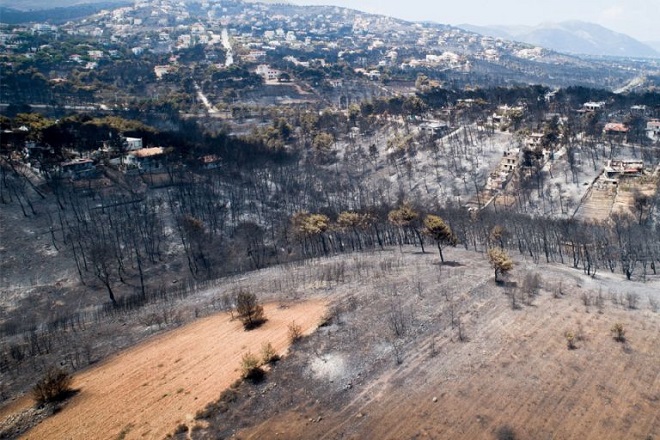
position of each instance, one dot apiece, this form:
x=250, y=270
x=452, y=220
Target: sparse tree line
x=112, y=239
x=238, y=218
x=622, y=244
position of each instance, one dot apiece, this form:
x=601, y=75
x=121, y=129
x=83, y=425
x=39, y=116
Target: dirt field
x=147, y=391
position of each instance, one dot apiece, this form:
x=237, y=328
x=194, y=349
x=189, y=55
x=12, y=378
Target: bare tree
x=101, y=258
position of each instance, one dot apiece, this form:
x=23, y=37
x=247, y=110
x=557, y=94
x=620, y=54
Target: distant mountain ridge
x=576, y=37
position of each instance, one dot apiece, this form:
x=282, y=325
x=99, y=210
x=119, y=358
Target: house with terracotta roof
x=614, y=128
x=615, y=169
x=146, y=158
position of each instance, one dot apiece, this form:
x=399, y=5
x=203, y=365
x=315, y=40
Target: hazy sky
x=637, y=18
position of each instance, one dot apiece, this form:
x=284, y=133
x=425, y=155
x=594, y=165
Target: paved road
x=229, y=60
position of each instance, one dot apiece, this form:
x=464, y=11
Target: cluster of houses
x=504, y=115
x=617, y=128
x=165, y=26
x=134, y=157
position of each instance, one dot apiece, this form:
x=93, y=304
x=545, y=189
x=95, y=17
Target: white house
x=653, y=129
x=267, y=72
x=433, y=128
x=95, y=54
x=534, y=140
x=373, y=74
x=510, y=160
x=593, y=106
x=133, y=144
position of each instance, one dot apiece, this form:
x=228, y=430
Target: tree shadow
x=451, y=264
x=255, y=375
x=255, y=323
x=505, y=432
x=68, y=394
x=60, y=401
